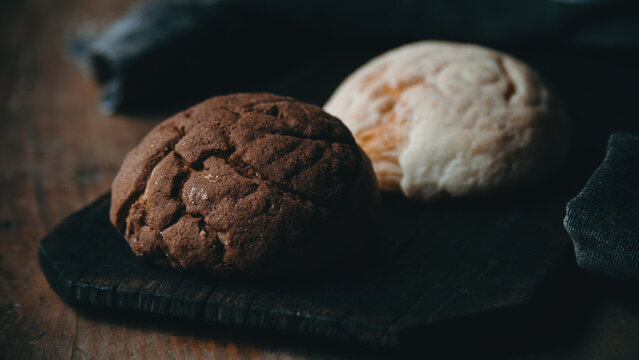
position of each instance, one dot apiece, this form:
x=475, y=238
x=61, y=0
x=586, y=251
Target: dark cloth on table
x=603, y=220
x=173, y=53
x=165, y=55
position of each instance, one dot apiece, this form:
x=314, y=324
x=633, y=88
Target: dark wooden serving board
x=457, y=259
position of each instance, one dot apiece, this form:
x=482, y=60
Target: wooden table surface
x=58, y=153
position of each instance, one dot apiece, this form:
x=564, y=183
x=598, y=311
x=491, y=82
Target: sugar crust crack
x=239, y=179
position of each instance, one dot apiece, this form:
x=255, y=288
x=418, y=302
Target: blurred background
x=82, y=81
x=163, y=56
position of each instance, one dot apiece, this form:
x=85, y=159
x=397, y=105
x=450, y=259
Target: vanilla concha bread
x=443, y=118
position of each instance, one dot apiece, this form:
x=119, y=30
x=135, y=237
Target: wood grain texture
x=57, y=154
x=457, y=259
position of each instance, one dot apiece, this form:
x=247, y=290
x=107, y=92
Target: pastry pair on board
x=269, y=185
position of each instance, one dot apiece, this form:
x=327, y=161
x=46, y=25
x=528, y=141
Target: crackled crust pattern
x=250, y=182
x=438, y=117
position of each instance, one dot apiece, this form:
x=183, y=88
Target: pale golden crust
x=438, y=118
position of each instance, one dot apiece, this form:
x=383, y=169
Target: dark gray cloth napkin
x=603, y=220
x=171, y=52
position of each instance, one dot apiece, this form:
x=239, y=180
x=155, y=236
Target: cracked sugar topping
x=443, y=118
x=237, y=181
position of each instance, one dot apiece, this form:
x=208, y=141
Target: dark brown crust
x=254, y=182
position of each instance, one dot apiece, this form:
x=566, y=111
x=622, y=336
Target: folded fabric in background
x=603, y=220
x=165, y=55
x=155, y=49
x=172, y=53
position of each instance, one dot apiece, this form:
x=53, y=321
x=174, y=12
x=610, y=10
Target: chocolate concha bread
x=258, y=183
